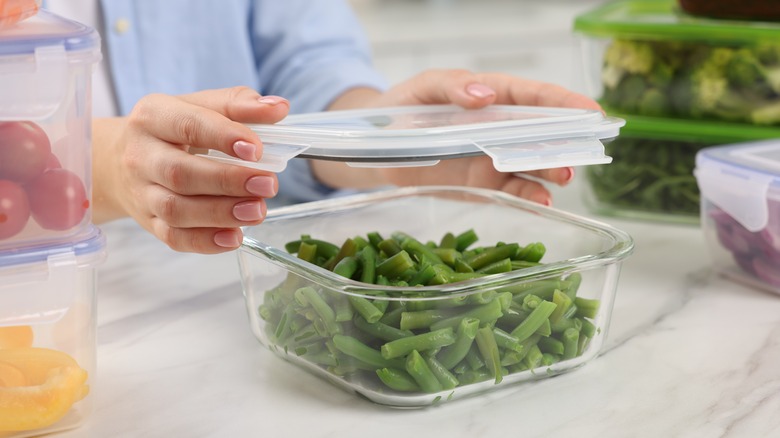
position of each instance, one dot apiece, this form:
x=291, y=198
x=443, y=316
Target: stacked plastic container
x=49, y=249
x=683, y=82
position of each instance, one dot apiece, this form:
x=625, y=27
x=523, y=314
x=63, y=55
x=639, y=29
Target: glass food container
x=383, y=340
x=646, y=57
x=651, y=175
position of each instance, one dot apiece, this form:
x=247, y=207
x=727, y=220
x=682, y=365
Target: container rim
x=623, y=245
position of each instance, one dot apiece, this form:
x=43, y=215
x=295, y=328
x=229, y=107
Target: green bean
x=448, y=241
x=447, y=255
x=474, y=376
x=423, y=276
x=342, y=308
x=586, y=308
x=307, y=295
x=324, y=249
x=588, y=328
x=421, y=373
x=488, y=348
x=443, y=375
x=421, y=252
x=465, y=239
x=367, y=258
x=360, y=351
x=545, y=329
x=346, y=267
x=393, y=317
x=473, y=358
x=389, y=247
x=395, y=265
x=549, y=359
x=380, y=330
x=423, y=341
x=485, y=313
x=348, y=249
x=531, y=324
x=500, y=266
x=570, y=338
x=397, y=379
x=551, y=345
x=533, y=252
x=423, y=318
x=506, y=340
x=562, y=304
x=365, y=308
x=450, y=355
x=307, y=252
x=461, y=266
x=492, y=255
x=534, y=357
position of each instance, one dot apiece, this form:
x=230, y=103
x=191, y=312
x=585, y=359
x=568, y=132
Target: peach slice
x=16, y=336
x=53, y=382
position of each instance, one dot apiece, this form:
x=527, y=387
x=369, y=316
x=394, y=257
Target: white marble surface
x=688, y=355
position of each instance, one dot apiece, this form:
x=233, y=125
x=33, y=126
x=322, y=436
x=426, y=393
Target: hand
x=468, y=90
x=143, y=167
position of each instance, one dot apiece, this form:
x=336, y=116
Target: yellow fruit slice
x=11, y=376
x=53, y=382
x=16, y=336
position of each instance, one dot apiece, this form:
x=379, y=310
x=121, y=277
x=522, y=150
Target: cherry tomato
x=14, y=209
x=58, y=199
x=24, y=151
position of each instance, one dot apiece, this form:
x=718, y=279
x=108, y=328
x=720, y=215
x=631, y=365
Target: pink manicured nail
x=262, y=186
x=249, y=211
x=245, y=150
x=271, y=100
x=569, y=175
x=480, y=90
x=227, y=239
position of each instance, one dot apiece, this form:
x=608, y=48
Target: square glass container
x=651, y=176
x=46, y=65
x=740, y=213
x=460, y=325
x=47, y=336
x=648, y=57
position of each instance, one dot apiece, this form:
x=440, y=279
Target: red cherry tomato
x=14, y=209
x=24, y=150
x=58, y=199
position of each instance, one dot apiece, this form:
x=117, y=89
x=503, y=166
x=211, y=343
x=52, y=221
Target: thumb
x=459, y=87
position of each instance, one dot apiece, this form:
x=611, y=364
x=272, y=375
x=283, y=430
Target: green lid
x=708, y=131
x=664, y=20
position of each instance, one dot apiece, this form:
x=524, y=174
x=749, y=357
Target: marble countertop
x=689, y=354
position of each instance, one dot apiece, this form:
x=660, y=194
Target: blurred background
x=529, y=38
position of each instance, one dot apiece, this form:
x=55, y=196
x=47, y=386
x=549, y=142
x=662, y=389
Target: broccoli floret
x=768, y=54
x=654, y=103
x=746, y=70
x=630, y=56
x=628, y=93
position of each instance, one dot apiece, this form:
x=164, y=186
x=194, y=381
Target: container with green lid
x=651, y=175
x=648, y=57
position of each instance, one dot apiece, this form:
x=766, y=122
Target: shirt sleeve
x=309, y=52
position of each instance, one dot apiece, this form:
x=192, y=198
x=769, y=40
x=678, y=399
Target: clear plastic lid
x=517, y=138
x=47, y=30
x=737, y=178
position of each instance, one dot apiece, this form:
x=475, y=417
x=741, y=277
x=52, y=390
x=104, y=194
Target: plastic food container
x=517, y=138
x=651, y=176
x=647, y=57
x=288, y=299
x=740, y=186
x=47, y=336
x=46, y=64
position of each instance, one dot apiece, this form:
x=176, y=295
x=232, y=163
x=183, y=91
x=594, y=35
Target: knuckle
x=168, y=208
x=174, y=175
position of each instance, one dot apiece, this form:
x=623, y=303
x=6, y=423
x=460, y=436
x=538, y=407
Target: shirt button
x=121, y=26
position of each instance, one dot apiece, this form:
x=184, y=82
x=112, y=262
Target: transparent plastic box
x=46, y=65
x=47, y=336
x=288, y=298
x=647, y=57
x=740, y=213
x=651, y=175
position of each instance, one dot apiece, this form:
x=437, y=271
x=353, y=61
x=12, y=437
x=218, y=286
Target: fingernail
x=569, y=175
x=262, y=186
x=245, y=150
x=227, y=239
x=249, y=211
x=480, y=90
x=271, y=100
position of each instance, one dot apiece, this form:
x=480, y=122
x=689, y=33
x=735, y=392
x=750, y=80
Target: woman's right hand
x=143, y=167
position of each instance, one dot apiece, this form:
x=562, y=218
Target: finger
x=187, y=174
x=198, y=240
x=184, y=124
x=518, y=91
x=527, y=189
x=204, y=211
x=241, y=104
x=559, y=175
x=460, y=87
